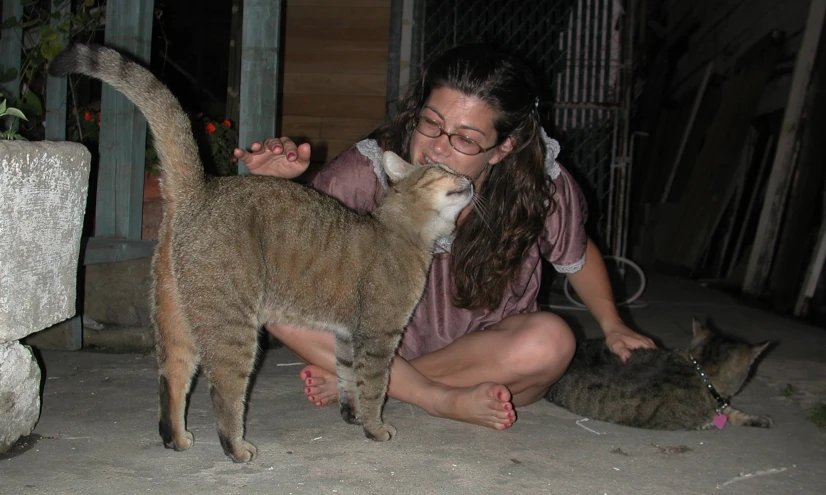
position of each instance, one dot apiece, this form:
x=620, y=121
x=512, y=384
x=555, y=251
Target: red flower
x=87, y=116
x=210, y=127
x=226, y=123
x=199, y=114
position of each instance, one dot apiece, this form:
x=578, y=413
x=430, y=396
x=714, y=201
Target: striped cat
x=235, y=253
x=660, y=389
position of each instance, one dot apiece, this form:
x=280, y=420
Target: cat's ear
x=396, y=168
x=700, y=333
x=757, y=350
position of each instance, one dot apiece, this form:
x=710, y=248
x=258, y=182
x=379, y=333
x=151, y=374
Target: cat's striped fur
x=656, y=388
x=235, y=253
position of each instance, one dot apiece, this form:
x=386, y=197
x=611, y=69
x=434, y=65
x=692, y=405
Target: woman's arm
x=592, y=285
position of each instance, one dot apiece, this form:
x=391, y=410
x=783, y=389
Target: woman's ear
x=501, y=151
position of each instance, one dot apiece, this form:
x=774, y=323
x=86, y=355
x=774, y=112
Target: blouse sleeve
x=350, y=178
x=564, y=239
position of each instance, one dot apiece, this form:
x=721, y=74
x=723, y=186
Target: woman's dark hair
x=487, y=252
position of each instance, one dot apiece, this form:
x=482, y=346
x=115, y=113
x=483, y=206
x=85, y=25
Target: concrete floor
x=98, y=430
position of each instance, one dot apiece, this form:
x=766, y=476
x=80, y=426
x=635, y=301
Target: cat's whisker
x=482, y=210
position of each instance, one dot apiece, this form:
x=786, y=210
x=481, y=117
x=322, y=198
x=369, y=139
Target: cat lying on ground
x=660, y=389
x=235, y=253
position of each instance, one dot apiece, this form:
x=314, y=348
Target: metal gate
x=577, y=48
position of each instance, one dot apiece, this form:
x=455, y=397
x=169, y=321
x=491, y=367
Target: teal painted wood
x=56, y=93
x=98, y=250
x=261, y=35
x=119, y=207
x=10, y=46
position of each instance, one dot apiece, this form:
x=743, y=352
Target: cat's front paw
x=182, y=442
x=243, y=452
x=381, y=433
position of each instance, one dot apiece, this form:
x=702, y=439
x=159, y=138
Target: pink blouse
x=356, y=178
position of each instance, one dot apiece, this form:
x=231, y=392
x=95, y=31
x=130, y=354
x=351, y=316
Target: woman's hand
x=278, y=157
x=621, y=340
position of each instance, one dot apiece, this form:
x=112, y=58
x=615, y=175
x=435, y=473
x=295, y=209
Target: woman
x=477, y=345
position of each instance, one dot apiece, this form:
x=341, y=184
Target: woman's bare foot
x=320, y=386
x=488, y=404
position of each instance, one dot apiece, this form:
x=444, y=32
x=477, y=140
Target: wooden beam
x=698, y=98
x=394, y=57
x=56, y=92
x=777, y=189
x=815, y=269
x=122, y=145
x=11, y=45
x=260, y=60
x=96, y=250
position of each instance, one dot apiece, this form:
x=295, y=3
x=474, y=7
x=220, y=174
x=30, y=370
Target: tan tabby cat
x=235, y=253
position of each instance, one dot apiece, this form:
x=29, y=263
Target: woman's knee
x=543, y=343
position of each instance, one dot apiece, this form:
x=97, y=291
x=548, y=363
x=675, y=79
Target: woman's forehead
x=461, y=110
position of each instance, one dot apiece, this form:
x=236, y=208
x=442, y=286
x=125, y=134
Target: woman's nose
x=441, y=144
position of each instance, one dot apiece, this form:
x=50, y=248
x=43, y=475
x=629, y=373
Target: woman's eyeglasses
x=463, y=144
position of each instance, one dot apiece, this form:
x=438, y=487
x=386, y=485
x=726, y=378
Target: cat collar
x=721, y=403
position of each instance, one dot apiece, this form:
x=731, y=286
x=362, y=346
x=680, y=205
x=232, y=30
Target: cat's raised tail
x=183, y=173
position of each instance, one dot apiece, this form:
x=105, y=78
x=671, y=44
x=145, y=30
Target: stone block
x=118, y=293
x=19, y=393
x=43, y=189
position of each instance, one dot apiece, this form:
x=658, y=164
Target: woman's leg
x=478, y=378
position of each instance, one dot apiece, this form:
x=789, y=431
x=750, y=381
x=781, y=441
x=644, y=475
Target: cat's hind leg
x=740, y=418
x=228, y=363
x=347, y=390
x=372, y=357
x=176, y=356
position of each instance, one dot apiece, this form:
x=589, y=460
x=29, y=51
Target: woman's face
x=457, y=113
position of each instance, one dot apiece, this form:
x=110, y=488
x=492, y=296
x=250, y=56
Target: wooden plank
x=794, y=242
x=714, y=167
x=368, y=38
x=57, y=90
x=336, y=62
x=233, y=108
x=328, y=127
x=98, y=250
x=299, y=126
x=331, y=18
x=813, y=273
x=10, y=45
x=771, y=216
x=347, y=128
x=364, y=107
x=259, y=71
x=122, y=142
x=291, y=4
x=695, y=107
x=340, y=84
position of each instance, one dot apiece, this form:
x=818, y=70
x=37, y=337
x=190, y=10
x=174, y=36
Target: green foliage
x=13, y=115
x=45, y=32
